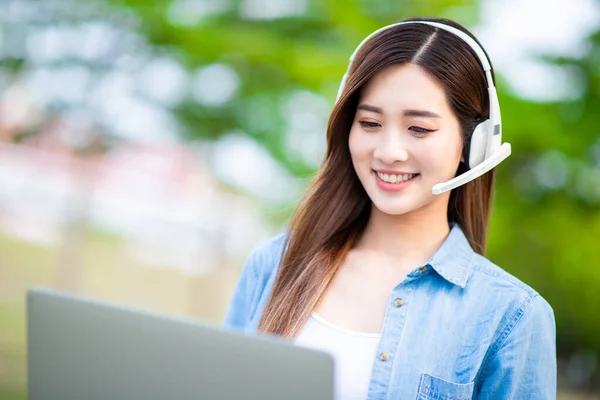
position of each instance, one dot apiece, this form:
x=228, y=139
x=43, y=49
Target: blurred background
x=147, y=147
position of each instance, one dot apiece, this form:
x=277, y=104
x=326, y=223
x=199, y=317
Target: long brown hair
x=334, y=213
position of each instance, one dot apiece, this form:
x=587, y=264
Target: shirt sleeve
x=524, y=365
x=244, y=295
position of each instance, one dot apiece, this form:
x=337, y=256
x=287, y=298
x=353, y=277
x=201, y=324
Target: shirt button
x=423, y=269
x=398, y=302
x=384, y=356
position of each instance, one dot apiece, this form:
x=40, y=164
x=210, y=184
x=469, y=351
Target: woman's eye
x=369, y=124
x=420, y=131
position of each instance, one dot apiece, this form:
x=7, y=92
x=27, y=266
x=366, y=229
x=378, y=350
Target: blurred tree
x=270, y=69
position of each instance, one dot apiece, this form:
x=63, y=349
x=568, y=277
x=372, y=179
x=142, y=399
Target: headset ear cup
x=478, y=143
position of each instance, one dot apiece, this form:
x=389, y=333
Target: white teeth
x=395, y=178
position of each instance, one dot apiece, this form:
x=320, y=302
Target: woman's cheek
x=360, y=145
x=440, y=159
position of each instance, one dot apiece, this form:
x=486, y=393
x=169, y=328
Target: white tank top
x=353, y=354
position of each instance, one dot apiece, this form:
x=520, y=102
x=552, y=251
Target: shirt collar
x=453, y=260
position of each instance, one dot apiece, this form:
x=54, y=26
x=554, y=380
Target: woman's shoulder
x=487, y=272
x=253, y=282
x=489, y=279
x=265, y=257
x=522, y=331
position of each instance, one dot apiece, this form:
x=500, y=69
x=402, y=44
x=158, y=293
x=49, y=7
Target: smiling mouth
x=400, y=178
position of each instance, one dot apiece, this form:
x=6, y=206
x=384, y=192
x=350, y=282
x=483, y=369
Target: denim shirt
x=464, y=328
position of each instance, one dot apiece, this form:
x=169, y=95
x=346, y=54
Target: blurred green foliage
x=546, y=234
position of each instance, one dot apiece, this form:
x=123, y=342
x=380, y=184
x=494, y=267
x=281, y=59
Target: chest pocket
x=432, y=388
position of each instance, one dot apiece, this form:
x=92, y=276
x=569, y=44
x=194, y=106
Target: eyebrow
x=406, y=113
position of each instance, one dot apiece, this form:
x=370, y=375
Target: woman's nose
x=391, y=148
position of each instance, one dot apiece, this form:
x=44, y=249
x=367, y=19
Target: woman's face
x=404, y=139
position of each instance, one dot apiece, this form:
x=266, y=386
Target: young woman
x=383, y=264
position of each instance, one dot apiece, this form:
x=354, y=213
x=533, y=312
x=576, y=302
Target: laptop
x=84, y=349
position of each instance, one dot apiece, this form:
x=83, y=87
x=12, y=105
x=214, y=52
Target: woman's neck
x=412, y=237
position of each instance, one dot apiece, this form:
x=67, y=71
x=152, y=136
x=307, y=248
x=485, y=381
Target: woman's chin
x=404, y=206
x=393, y=209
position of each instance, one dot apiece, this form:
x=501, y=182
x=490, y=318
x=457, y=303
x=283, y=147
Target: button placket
x=393, y=324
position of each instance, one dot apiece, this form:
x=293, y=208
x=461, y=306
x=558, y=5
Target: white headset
x=487, y=149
